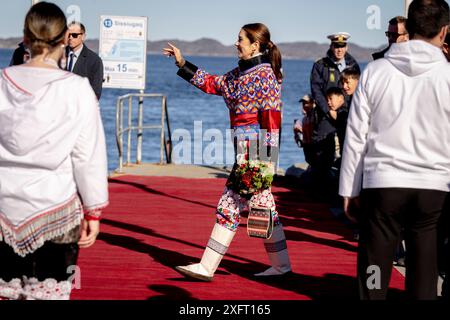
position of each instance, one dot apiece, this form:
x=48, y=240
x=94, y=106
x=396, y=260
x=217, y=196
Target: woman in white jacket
x=53, y=167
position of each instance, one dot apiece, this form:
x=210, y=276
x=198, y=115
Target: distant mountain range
x=211, y=47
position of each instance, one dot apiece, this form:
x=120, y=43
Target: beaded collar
x=245, y=65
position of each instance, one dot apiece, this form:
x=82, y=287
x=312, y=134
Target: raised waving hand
x=173, y=51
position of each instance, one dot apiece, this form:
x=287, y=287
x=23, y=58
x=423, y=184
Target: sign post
x=123, y=49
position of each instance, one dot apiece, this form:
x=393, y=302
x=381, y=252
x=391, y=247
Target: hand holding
x=298, y=126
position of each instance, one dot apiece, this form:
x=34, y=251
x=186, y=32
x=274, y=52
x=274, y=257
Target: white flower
x=241, y=159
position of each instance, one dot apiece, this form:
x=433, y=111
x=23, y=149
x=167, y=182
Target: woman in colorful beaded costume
x=53, y=168
x=252, y=93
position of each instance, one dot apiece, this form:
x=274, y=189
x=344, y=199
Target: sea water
x=188, y=106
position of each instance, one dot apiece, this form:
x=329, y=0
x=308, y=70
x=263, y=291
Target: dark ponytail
x=259, y=32
x=275, y=60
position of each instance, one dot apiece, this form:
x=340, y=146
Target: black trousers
x=444, y=248
x=384, y=212
x=308, y=151
x=322, y=153
x=322, y=158
x=48, y=262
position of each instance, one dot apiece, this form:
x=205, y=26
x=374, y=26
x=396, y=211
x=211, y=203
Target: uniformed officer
x=326, y=74
x=326, y=71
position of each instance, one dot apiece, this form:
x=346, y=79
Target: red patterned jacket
x=252, y=94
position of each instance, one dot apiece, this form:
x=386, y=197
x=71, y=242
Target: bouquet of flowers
x=251, y=177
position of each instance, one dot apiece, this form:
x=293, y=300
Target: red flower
x=247, y=179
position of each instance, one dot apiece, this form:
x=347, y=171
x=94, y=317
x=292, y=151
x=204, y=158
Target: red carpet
x=154, y=224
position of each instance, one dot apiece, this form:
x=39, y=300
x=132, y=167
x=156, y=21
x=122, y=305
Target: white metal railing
x=165, y=144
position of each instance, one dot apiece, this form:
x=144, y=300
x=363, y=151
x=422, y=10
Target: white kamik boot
x=218, y=244
x=276, y=248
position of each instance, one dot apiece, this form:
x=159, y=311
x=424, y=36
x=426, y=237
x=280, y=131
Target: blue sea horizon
x=186, y=105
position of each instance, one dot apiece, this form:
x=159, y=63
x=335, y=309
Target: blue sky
x=288, y=20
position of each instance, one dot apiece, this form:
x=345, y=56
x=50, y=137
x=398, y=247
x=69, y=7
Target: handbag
x=259, y=222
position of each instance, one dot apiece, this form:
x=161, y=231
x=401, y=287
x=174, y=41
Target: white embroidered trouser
x=231, y=204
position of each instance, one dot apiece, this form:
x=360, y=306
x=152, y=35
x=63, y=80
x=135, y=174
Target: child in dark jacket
x=338, y=114
x=324, y=142
x=349, y=82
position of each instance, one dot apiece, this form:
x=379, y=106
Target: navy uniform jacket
x=325, y=74
x=90, y=65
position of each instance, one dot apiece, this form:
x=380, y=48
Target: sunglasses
x=75, y=35
x=394, y=34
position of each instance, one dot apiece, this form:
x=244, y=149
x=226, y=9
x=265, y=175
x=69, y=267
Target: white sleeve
x=350, y=182
x=89, y=157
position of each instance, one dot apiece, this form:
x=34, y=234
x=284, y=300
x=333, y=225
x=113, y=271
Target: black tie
x=70, y=65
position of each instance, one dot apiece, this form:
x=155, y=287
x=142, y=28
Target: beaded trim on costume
x=11, y=290
x=32, y=289
x=32, y=235
x=94, y=212
x=272, y=139
x=49, y=289
x=276, y=246
x=217, y=246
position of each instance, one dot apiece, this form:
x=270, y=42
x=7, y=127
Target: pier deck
x=164, y=218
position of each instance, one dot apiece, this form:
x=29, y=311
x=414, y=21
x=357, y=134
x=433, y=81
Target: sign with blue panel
x=123, y=49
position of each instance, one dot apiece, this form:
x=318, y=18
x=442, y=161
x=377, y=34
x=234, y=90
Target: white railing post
x=119, y=128
x=140, y=127
x=130, y=118
x=140, y=124
x=163, y=121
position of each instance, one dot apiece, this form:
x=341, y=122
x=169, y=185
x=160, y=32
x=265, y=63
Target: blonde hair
x=45, y=27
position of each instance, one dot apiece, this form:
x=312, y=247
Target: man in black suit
x=396, y=33
x=20, y=55
x=83, y=61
